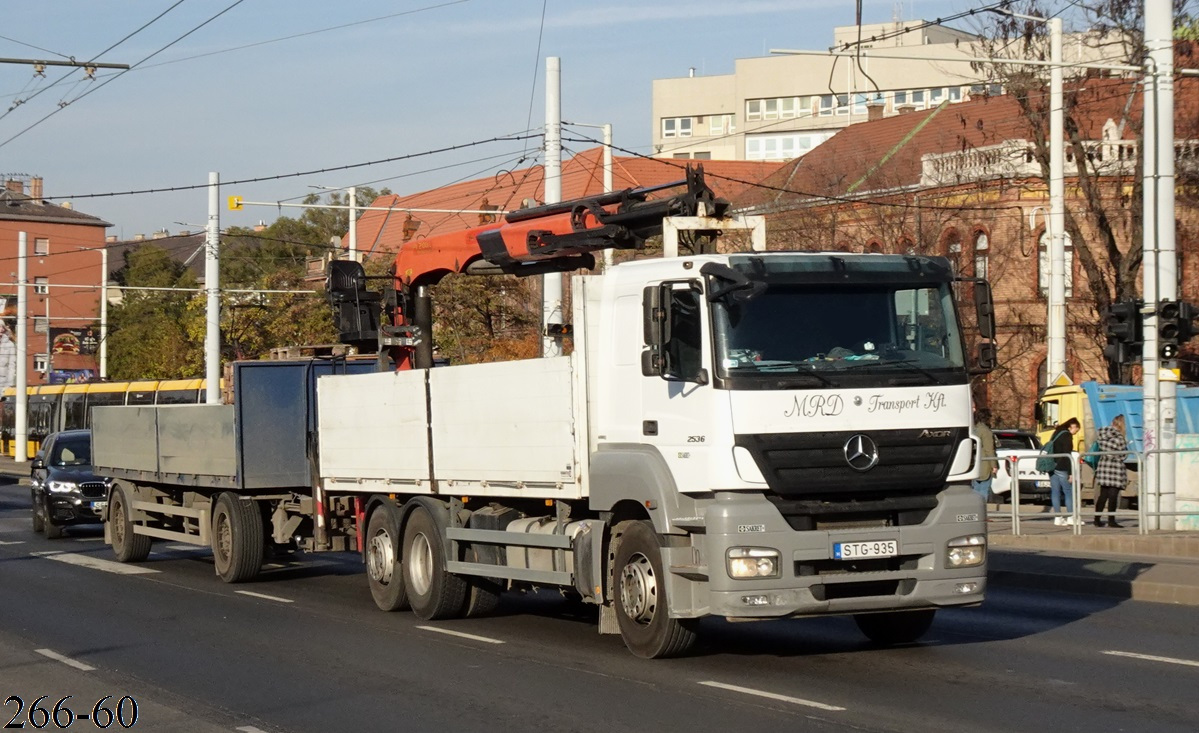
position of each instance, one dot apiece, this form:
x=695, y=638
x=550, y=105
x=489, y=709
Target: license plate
x=855, y=550
x=99, y=505
x=1042, y=484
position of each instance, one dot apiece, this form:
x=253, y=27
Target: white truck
x=751, y=436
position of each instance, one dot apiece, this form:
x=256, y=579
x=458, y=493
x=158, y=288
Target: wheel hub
x=639, y=589
x=420, y=564
x=380, y=558
x=224, y=538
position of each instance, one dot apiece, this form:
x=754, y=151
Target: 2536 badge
x=107, y=712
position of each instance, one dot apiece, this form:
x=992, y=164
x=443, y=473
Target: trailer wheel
x=482, y=594
x=433, y=592
x=384, y=572
x=895, y=627
x=237, y=541
x=127, y=546
x=639, y=585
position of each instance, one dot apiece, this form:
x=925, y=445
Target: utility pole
x=21, y=418
x=1160, y=265
x=551, y=283
x=1056, y=324
x=353, y=230
x=606, y=130
x=212, y=285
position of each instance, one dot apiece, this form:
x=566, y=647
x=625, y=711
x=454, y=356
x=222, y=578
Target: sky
x=261, y=89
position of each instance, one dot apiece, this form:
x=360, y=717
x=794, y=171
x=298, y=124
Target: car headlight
x=62, y=487
x=753, y=562
x=968, y=551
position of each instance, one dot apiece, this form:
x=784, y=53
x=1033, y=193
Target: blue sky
x=437, y=73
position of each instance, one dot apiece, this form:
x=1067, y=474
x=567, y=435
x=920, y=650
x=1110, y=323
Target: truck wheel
x=895, y=627
x=384, y=573
x=237, y=542
x=127, y=546
x=639, y=587
x=482, y=594
x=433, y=592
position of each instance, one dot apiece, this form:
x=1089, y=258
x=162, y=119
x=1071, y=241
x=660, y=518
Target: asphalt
x=1125, y=563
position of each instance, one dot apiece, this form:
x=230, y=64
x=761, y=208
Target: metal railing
x=1078, y=517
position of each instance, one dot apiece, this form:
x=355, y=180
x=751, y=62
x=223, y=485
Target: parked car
x=63, y=488
x=1017, y=452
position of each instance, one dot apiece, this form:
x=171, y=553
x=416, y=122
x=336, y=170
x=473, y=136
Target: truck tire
x=237, y=541
x=639, y=586
x=895, y=627
x=433, y=592
x=482, y=594
x=127, y=546
x=384, y=572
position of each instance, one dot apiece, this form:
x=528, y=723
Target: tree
x=1105, y=231
x=148, y=332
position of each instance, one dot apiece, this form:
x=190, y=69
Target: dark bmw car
x=64, y=489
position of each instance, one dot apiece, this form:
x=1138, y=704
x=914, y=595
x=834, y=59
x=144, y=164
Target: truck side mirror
x=985, y=307
x=987, y=359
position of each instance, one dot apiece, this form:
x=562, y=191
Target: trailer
x=749, y=435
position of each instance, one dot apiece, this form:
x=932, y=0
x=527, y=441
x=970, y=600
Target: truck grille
x=93, y=489
x=813, y=485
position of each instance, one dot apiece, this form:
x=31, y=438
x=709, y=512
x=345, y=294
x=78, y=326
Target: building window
x=901, y=98
x=681, y=156
x=753, y=109
x=787, y=107
x=41, y=324
x=784, y=146
x=1043, y=265
x=982, y=245
x=842, y=104
x=955, y=94
x=676, y=127
x=826, y=105
x=702, y=155
x=41, y=285
x=41, y=246
x=720, y=124
x=41, y=363
x=770, y=110
x=936, y=96
x=918, y=98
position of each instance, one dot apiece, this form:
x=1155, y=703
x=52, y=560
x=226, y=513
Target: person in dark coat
x=1060, y=485
x=1110, y=475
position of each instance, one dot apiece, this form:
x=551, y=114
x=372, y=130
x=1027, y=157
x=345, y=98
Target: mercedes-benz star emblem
x=861, y=453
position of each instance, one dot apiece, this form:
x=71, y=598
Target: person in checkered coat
x=1110, y=475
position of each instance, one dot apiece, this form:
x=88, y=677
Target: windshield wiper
x=910, y=364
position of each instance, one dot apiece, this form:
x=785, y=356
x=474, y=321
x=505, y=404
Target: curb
x=1156, y=580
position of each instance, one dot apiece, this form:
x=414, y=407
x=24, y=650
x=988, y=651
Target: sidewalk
x=1119, y=563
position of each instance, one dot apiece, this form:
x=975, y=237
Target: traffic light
x=1124, y=322
x=1169, y=328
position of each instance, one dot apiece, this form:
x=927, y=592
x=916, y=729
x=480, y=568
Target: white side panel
x=373, y=426
x=505, y=426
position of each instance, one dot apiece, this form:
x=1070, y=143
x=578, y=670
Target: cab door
x=676, y=395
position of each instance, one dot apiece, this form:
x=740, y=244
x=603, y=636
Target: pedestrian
x=988, y=465
x=1110, y=475
x=8, y=358
x=1060, y=484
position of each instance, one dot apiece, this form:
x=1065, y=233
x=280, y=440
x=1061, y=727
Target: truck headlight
x=966, y=552
x=753, y=562
x=61, y=487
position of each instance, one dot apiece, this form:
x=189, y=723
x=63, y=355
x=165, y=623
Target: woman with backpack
x=1063, y=466
x=1110, y=475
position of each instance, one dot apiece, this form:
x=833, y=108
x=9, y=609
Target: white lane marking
x=95, y=563
x=1151, y=658
x=250, y=729
x=12, y=542
x=774, y=696
x=264, y=596
x=462, y=634
x=65, y=660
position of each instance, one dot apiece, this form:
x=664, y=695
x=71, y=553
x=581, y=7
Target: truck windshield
x=811, y=336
